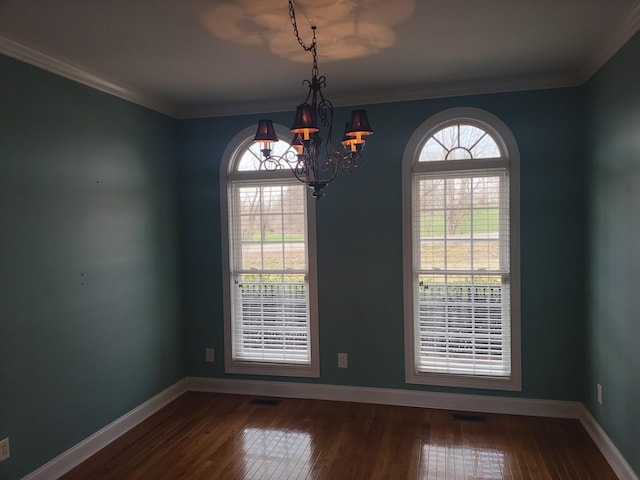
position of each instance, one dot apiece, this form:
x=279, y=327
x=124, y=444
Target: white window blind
x=269, y=272
x=461, y=272
x=460, y=216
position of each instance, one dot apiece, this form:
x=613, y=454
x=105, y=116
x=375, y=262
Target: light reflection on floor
x=272, y=453
x=455, y=461
x=286, y=454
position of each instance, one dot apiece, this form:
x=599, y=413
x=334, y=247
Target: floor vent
x=467, y=418
x=265, y=401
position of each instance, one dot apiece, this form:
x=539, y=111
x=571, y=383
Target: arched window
x=461, y=255
x=268, y=225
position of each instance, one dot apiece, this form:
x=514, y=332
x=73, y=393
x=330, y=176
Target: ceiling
x=193, y=58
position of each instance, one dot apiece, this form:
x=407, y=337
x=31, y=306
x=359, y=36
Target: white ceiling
x=191, y=58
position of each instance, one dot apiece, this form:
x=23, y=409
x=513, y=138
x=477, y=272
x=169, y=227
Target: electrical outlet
x=600, y=394
x=209, y=355
x=342, y=360
x=4, y=449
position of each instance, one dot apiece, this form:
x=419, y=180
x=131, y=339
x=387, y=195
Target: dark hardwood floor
x=233, y=437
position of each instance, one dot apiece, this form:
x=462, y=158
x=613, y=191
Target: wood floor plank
x=234, y=437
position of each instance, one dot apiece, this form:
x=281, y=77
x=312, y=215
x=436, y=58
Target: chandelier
x=311, y=162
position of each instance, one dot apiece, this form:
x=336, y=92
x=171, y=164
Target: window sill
x=512, y=383
x=272, y=369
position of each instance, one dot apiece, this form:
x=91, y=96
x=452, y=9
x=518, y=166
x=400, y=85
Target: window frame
x=411, y=168
x=228, y=174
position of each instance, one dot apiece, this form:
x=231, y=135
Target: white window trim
x=502, y=134
x=231, y=154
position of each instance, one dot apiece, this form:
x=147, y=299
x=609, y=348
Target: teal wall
x=89, y=323
x=614, y=250
x=111, y=279
x=360, y=243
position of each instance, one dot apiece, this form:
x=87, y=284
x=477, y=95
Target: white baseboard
x=406, y=398
x=619, y=465
x=91, y=445
x=414, y=398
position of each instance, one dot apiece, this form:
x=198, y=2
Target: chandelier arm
x=336, y=163
x=300, y=172
x=325, y=110
x=351, y=161
x=313, y=164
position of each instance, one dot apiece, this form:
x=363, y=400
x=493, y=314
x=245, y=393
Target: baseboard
x=413, y=398
x=407, y=398
x=619, y=465
x=91, y=445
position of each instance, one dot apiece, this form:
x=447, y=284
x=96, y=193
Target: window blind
x=461, y=272
x=269, y=291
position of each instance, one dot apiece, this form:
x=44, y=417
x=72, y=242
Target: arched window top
x=250, y=160
x=460, y=194
x=459, y=141
x=242, y=158
x=460, y=138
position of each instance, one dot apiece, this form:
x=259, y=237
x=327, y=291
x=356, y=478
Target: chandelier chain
x=307, y=48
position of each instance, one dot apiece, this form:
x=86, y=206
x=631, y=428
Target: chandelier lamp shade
x=314, y=160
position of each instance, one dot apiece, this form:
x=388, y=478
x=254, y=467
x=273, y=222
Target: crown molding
x=610, y=46
x=401, y=94
x=213, y=109
x=459, y=89
x=68, y=70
